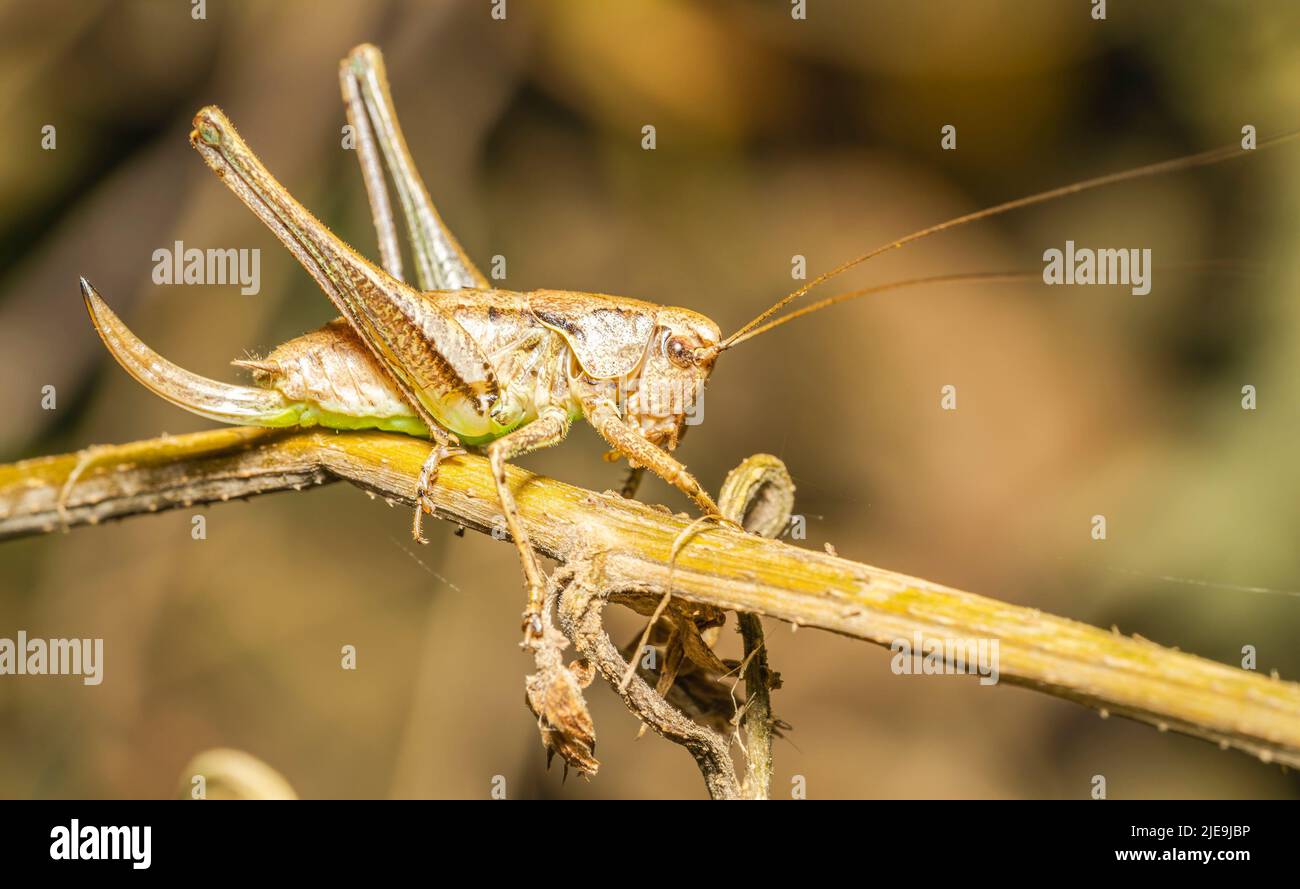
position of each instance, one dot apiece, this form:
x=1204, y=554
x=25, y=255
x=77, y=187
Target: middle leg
x=548, y=429
x=444, y=445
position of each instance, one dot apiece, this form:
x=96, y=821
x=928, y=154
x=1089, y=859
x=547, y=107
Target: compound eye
x=679, y=352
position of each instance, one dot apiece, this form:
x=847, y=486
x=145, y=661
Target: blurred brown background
x=775, y=137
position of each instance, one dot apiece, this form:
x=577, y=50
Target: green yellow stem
x=1117, y=674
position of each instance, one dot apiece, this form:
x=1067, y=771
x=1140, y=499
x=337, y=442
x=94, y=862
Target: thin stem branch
x=719, y=567
x=581, y=603
x=758, y=495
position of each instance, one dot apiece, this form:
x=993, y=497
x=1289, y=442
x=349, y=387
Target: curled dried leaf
x=696, y=648
x=554, y=694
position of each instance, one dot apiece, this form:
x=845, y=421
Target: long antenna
x=958, y=278
x=1213, y=156
x=740, y=336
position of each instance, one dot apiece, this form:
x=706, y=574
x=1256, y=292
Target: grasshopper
x=461, y=362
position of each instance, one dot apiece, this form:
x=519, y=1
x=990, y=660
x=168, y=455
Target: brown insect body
x=544, y=349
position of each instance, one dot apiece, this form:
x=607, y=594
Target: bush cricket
x=465, y=364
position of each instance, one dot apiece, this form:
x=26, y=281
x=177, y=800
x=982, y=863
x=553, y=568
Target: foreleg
x=628, y=441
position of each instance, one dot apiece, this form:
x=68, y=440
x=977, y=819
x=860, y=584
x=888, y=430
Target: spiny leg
x=414, y=338
x=548, y=429
x=421, y=346
x=370, y=108
x=444, y=446
x=629, y=441
x=440, y=262
x=381, y=208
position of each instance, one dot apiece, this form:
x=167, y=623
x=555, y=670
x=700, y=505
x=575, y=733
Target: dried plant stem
x=720, y=567
x=757, y=720
x=581, y=602
x=759, y=495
